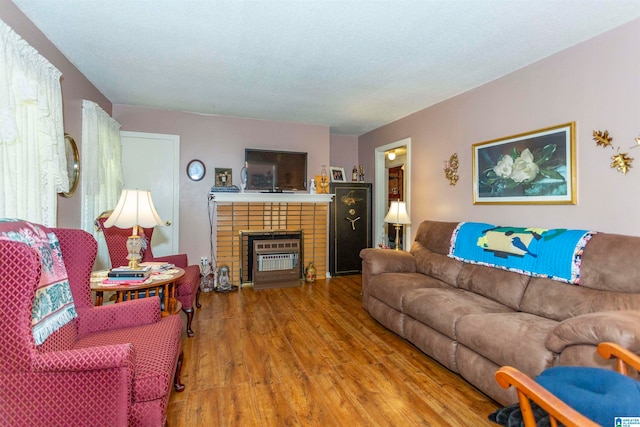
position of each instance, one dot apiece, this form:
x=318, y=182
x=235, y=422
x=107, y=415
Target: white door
x=151, y=161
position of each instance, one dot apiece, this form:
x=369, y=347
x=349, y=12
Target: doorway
x=151, y=161
x=386, y=179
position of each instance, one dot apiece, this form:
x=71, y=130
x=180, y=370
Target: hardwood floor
x=311, y=356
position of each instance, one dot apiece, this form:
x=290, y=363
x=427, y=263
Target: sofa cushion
x=437, y=265
x=390, y=288
x=505, y=287
x=156, y=348
x=560, y=301
x=441, y=309
x=516, y=339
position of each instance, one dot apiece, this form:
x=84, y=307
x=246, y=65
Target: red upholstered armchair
x=112, y=365
x=187, y=288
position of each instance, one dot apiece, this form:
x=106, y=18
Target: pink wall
x=219, y=141
x=596, y=84
x=75, y=88
x=344, y=152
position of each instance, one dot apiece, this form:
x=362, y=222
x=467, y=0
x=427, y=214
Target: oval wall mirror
x=73, y=164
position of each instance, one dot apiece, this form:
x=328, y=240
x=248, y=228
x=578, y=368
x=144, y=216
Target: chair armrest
x=377, y=261
x=621, y=327
x=125, y=314
x=527, y=389
x=179, y=260
x=609, y=350
x=92, y=386
x=87, y=359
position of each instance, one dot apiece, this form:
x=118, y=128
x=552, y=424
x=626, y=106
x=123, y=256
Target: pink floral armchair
x=187, y=288
x=112, y=365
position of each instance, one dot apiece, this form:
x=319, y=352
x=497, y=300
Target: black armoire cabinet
x=350, y=226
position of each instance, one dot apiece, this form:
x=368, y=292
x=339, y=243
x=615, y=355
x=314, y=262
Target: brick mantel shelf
x=271, y=197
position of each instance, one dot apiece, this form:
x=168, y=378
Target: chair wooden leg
x=198, y=298
x=177, y=384
x=189, y=313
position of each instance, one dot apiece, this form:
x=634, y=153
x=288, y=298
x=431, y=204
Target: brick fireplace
x=238, y=217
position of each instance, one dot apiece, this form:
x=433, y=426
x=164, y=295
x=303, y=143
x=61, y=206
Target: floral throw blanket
x=555, y=254
x=53, y=304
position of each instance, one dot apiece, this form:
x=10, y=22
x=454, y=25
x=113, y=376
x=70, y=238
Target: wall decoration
x=196, y=170
x=223, y=177
x=73, y=164
x=337, y=174
x=535, y=167
x=602, y=139
x=451, y=169
x=621, y=162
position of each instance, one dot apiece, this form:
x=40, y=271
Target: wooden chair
x=559, y=412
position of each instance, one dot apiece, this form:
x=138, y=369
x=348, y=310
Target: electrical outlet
x=204, y=260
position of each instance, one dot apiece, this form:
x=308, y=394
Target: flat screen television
x=270, y=170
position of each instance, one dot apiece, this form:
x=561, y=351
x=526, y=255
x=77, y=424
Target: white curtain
x=102, y=170
x=32, y=156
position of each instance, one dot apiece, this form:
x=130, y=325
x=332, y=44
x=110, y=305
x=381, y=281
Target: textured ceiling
x=353, y=65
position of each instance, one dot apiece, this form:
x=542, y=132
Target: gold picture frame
x=537, y=167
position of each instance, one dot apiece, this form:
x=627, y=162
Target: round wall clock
x=73, y=164
x=196, y=170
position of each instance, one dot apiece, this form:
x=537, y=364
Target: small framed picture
x=337, y=174
x=223, y=177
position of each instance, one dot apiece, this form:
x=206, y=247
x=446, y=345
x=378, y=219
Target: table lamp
x=397, y=216
x=134, y=209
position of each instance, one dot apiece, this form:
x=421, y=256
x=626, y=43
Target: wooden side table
x=163, y=281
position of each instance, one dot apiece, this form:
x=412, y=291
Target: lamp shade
x=397, y=214
x=135, y=207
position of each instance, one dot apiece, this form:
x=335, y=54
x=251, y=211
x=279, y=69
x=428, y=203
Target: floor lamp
x=134, y=209
x=397, y=216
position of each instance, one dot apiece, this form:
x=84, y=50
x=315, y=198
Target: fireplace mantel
x=270, y=197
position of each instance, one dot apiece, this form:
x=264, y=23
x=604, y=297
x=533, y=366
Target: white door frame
x=382, y=187
x=175, y=167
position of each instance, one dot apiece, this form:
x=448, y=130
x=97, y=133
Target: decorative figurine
x=243, y=177
x=310, y=276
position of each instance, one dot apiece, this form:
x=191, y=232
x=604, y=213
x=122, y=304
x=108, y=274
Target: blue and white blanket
x=554, y=254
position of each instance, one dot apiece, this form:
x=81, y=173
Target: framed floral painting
x=530, y=168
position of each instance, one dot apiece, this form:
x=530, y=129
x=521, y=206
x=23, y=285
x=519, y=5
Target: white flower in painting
x=504, y=167
x=524, y=168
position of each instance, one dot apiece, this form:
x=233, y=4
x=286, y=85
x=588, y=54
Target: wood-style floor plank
x=311, y=356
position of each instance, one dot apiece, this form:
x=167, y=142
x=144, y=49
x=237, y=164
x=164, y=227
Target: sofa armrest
x=621, y=327
x=137, y=312
x=377, y=261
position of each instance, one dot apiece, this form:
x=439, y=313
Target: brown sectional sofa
x=474, y=319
